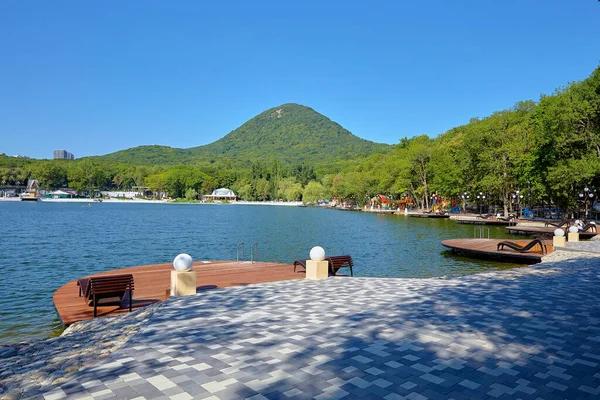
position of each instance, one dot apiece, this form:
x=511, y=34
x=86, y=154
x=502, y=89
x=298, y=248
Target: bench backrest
x=337, y=262
x=109, y=284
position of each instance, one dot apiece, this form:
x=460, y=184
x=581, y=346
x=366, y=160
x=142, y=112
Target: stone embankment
x=28, y=368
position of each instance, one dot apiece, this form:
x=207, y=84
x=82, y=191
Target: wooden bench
x=299, y=263
x=107, y=290
x=337, y=262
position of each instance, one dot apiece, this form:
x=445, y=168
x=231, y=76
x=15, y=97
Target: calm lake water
x=45, y=245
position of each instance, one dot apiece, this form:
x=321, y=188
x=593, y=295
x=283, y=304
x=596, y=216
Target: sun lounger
x=563, y=224
x=507, y=219
x=106, y=290
x=589, y=227
x=524, y=248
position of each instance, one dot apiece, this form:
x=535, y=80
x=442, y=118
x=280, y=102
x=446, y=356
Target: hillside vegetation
x=291, y=133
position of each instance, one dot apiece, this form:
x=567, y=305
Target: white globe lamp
x=573, y=229
x=183, y=262
x=317, y=253
x=559, y=232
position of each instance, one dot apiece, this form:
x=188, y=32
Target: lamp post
x=519, y=204
x=464, y=197
x=479, y=201
x=586, y=196
x=483, y=200
x=517, y=197
x=529, y=198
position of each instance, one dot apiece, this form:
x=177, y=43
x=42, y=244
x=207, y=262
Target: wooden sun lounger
x=589, y=227
x=523, y=248
x=565, y=223
x=107, y=290
x=508, y=219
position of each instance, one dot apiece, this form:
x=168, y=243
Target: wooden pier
x=426, y=215
x=152, y=284
x=488, y=249
x=549, y=230
x=490, y=222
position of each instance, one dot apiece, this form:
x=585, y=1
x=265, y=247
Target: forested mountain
x=291, y=133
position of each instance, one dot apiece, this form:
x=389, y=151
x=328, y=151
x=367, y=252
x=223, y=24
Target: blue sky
x=94, y=77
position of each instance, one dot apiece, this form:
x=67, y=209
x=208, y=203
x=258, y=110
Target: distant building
x=220, y=194
x=63, y=194
x=63, y=155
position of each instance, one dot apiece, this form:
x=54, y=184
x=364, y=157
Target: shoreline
x=141, y=201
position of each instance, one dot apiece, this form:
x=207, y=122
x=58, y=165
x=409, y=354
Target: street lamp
x=519, y=204
x=483, y=200
x=586, y=196
x=517, y=197
x=464, y=197
x=479, y=201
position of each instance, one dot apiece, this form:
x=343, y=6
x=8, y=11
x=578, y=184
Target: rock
x=13, y=395
x=7, y=352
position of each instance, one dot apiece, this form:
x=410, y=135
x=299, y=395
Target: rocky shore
x=27, y=369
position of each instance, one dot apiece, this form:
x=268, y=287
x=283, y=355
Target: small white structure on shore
x=220, y=194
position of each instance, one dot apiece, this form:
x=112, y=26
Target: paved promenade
x=526, y=333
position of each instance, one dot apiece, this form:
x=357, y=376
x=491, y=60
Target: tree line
x=549, y=149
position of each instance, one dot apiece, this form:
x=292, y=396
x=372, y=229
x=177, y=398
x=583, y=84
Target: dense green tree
x=313, y=192
x=51, y=175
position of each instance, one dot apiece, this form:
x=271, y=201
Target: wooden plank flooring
x=492, y=222
x=532, y=230
x=487, y=248
x=423, y=215
x=152, y=283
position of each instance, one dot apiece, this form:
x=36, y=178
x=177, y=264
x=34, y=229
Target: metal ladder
x=480, y=232
x=253, y=252
x=238, y=251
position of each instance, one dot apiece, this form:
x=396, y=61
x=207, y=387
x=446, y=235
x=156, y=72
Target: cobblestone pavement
x=526, y=333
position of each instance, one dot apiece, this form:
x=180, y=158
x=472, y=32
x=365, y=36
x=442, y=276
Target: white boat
x=30, y=196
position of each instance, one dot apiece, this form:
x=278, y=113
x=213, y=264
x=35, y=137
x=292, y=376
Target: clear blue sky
x=94, y=77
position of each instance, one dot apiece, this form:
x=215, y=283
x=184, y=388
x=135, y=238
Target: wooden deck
x=425, y=215
x=533, y=230
x=487, y=248
x=152, y=284
x=479, y=221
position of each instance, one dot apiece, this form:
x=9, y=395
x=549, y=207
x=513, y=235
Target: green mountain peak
x=292, y=133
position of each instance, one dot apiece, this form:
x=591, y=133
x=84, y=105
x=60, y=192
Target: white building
x=220, y=194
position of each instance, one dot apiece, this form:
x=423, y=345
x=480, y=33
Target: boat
x=29, y=196
x=32, y=193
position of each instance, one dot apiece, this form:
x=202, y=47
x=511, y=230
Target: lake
x=45, y=245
